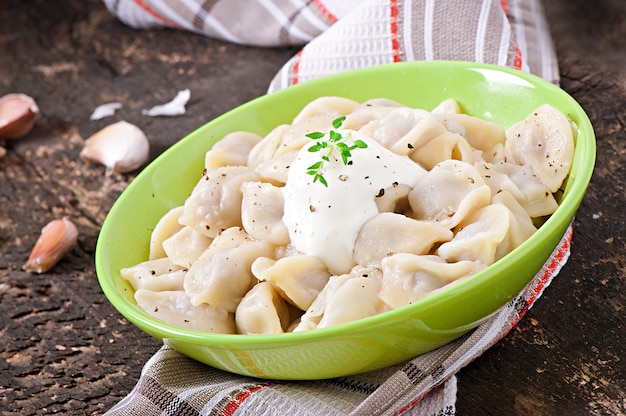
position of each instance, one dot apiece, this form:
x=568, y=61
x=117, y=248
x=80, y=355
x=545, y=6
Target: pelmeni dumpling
x=299, y=278
x=337, y=302
x=232, y=150
x=479, y=236
x=394, y=198
x=341, y=306
x=158, y=274
x=174, y=308
x=371, y=111
x=422, y=132
x=275, y=170
x=327, y=107
x=407, y=278
x=497, y=180
x=262, y=212
x=448, y=193
x=544, y=142
x=403, y=129
x=264, y=150
x=521, y=225
x=480, y=134
x=446, y=146
x=388, y=233
x=167, y=226
x=215, y=201
x=262, y=311
x=221, y=276
x=185, y=246
x=448, y=106
x=536, y=197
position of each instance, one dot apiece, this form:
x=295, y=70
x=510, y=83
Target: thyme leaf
x=335, y=142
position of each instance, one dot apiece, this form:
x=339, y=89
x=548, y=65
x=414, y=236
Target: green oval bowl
x=494, y=93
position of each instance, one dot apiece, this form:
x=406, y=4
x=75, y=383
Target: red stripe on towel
x=517, y=59
x=327, y=14
x=395, y=45
x=296, y=67
x=234, y=404
x=547, y=275
x=154, y=14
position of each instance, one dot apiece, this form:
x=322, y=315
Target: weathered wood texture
x=65, y=350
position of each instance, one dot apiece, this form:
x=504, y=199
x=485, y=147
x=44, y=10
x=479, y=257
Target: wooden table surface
x=66, y=350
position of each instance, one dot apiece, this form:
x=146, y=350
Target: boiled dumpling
x=444, y=147
x=262, y=311
x=157, y=274
x=480, y=134
x=388, y=233
x=185, y=246
x=264, y=150
x=174, y=308
x=167, y=226
x=232, y=150
x=262, y=209
x=403, y=129
x=328, y=107
x=394, y=198
x=544, y=142
x=449, y=106
x=479, y=236
x=215, y=202
x=521, y=225
x=532, y=193
x=298, y=278
x=370, y=111
x=447, y=194
x=408, y=278
x=345, y=298
x=221, y=276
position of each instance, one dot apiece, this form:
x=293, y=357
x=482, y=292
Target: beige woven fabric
x=338, y=35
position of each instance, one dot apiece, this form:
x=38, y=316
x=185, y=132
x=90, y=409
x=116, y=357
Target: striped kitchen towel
x=338, y=35
x=363, y=32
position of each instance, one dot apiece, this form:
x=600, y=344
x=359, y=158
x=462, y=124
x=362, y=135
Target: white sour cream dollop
x=325, y=221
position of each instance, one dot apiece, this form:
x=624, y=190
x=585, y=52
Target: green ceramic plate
x=493, y=93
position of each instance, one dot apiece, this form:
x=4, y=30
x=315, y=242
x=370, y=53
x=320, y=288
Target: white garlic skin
x=121, y=147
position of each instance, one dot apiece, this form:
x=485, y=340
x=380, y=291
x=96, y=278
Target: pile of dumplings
x=223, y=262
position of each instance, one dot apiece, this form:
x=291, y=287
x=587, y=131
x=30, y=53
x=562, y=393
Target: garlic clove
x=56, y=239
x=121, y=147
x=18, y=113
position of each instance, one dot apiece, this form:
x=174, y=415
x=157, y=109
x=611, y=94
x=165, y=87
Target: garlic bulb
x=121, y=147
x=56, y=239
x=18, y=113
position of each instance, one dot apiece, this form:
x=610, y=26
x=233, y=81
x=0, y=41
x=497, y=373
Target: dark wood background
x=65, y=350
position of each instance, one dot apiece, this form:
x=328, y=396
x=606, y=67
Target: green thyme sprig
x=335, y=141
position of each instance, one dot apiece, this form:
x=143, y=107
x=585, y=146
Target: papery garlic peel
x=121, y=147
x=56, y=239
x=18, y=113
